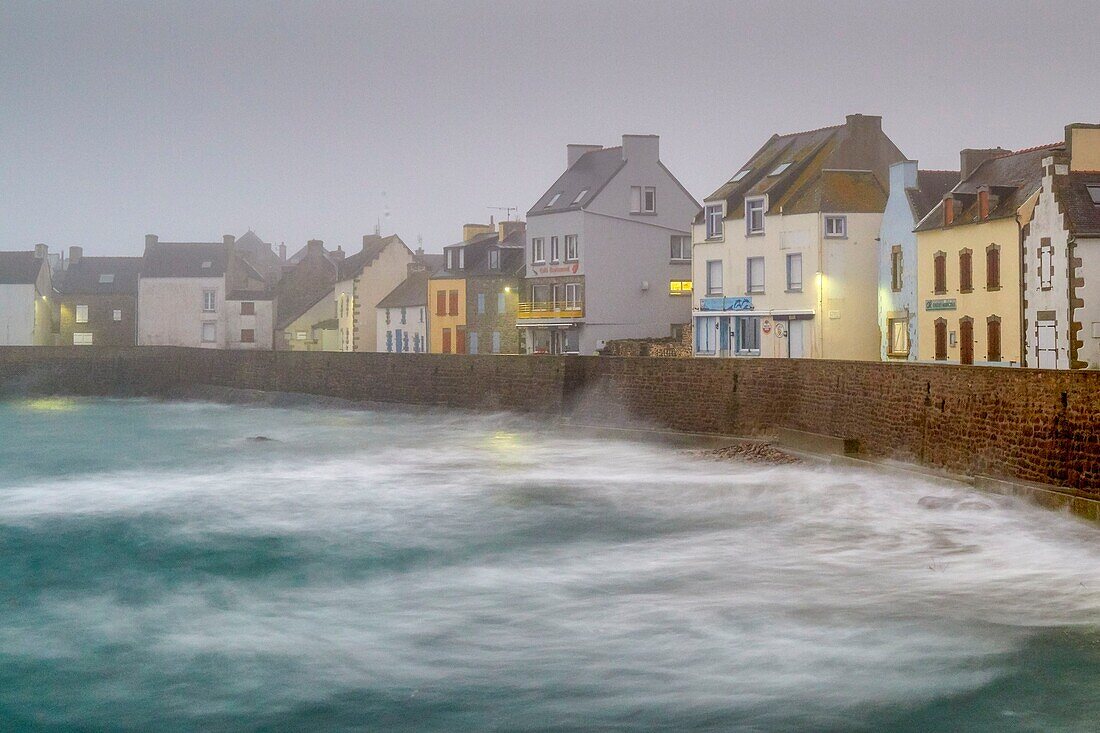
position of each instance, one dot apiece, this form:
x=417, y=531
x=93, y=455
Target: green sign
x=940, y=304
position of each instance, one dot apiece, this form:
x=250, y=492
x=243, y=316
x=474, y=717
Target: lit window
x=754, y=268
x=836, y=226
x=553, y=200
x=740, y=175
x=82, y=339
x=794, y=272
x=898, y=331
x=208, y=301
x=714, y=221
x=494, y=259
x=106, y=278
x=754, y=216
x=581, y=195
x=570, y=247
x=779, y=169
x=679, y=287
x=680, y=247
x=82, y=314
x=116, y=314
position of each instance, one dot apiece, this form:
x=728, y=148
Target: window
x=740, y=175
x=106, y=278
x=248, y=308
x=993, y=338
x=571, y=248
x=452, y=299
x=553, y=199
x=966, y=340
x=714, y=277
x=446, y=340
x=450, y=259
x=207, y=264
x=714, y=220
x=939, y=273
x=1094, y=193
x=496, y=342
x=209, y=332
x=404, y=315
x=473, y=342
x=966, y=271
x=780, y=168
x=82, y=339
x=116, y=314
x=82, y=314
x=248, y=335
x=208, y=301
x=299, y=335
x=421, y=315
x=555, y=251
x=494, y=259
x=441, y=303
x=579, y=196
x=794, y=272
x=896, y=268
x=572, y=296
x=706, y=332
x=387, y=316
x=500, y=303
x=679, y=287
x=1046, y=264
x=481, y=304
x=754, y=268
x=836, y=226
x=643, y=200
x=754, y=216
x=941, y=339
x=679, y=247
x=897, y=330
x=992, y=267
x=538, y=250
x=462, y=259
x=748, y=335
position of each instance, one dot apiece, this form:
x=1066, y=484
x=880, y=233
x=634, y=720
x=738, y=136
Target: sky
x=321, y=120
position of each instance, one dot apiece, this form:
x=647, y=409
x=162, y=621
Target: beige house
x=26, y=298
x=306, y=318
x=364, y=279
x=785, y=253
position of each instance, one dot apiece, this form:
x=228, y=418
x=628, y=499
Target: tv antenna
x=506, y=209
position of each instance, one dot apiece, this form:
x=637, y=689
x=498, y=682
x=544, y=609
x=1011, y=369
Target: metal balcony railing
x=541, y=309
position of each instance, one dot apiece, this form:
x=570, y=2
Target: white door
x=796, y=338
x=1047, y=345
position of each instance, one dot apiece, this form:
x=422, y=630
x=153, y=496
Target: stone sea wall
x=1041, y=426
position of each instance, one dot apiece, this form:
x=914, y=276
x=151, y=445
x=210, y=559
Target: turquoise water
x=447, y=572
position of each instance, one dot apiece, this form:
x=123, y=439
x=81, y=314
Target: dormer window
x=494, y=259
x=779, y=169
x=714, y=221
x=740, y=175
x=754, y=216
x=462, y=259
x=450, y=259
x=107, y=277
x=581, y=195
x=553, y=199
x=1094, y=193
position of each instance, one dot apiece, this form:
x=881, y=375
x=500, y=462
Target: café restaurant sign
x=570, y=269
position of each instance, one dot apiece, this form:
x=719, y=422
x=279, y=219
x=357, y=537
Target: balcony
x=547, y=310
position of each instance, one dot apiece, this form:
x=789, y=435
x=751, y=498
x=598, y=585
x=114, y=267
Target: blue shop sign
x=726, y=304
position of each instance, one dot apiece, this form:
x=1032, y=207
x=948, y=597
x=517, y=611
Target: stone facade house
x=1061, y=256
x=26, y=294
x=97, y=300
x=305, y=303
x=364, y=279
x=913, y=193
x=608, y=251
x=968, y=259
x=785, y=259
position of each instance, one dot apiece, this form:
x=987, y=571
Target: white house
x=26, y=298
x=402, y=316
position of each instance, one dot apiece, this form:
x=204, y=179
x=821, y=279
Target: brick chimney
x=315, y=248
x=863, y=123
x=971, y=158
x=983, y=203
x=1083, y=146
x=505, y=228
x=641, y=147
x=574, y=152
x=469, y=231
x=948, y=210
x=282, y=251
x=40, y=251
x=75, y=253
x=337, y=254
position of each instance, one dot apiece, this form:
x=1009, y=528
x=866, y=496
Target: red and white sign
x=557, y=269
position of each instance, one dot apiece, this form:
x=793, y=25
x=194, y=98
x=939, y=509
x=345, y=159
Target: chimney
x=150, y=240
x=863, y=123
x=75, y=253
x=469, y=231
x=971, y=158
x=338, y=253
x=315, y=248
x=506, y=228
x=282, y=251
x=641, y=147
x=948, y=210
x=1083, y=146
x=419, y=251
x=903, y=175
x=40, y=251
x=574, y=152
x=983, y=203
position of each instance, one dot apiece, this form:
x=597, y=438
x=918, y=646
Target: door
x=966, y=341
x=1046, y=344
x=796, y=338
x=397, y=338
x=941, y=339
x=460, y=340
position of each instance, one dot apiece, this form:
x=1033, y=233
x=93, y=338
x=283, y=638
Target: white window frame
x=679, y=243
x=209, y=301
x=836, y=226
x=1046, y=267
x=494, y=259
x=746, y=325
x=790, y=281
x=706, y=335
x=82, y=314
x=753, y=206
x=649, y=199
x=82, y=339
x=462, y=258
x=571, y=250
x=751, y=287
x=572, y=296
x=553, y=200
x=214, y=329
x=555, y=249
x=713, y=288
x=116, y=315
x=894, y=326
x=713, y=216
x=538, y=250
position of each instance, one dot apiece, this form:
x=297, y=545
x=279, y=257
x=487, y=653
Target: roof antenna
x=378, y=228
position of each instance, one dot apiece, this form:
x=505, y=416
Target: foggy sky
x=315, y=120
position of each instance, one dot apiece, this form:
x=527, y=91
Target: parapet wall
x=1035, y=425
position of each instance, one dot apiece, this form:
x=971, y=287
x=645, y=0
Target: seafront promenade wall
x=1035, y=425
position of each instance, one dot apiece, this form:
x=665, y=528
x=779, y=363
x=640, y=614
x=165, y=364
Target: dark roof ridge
x=807, y=132
x=1028, y=150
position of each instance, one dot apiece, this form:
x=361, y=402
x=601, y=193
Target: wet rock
x=261, y=439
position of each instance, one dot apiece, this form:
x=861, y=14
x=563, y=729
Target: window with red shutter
x=993, y=338
x=966, y=271
x=454, y=302
x=248, y=335
x=940, y=272
x=993, y=267
x=248, y=308
x=460, y=340
x=446, y=340
x=966, y=340
x=441, y=303
x=941, y=339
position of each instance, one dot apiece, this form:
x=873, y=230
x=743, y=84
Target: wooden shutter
x=460, y=340
x=941, y=340
x=446, y=340
x=441, y=303
x=966, y=341
x=454, y=302
x=940, y=273
x=966, y=271
x=992, y=268
x=993, y=339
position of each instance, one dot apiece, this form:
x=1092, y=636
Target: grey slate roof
x=19, y=268
x=931, y=186
x=85, y=276
x=184, y=259
x=591, y=172
x=1082, y=215
x=410, y=293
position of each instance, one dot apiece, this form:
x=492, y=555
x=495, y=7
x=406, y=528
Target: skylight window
x=207, y=264
x=553, y=199
x=107, y=278
x=580, y=196
x=779, y=169
x=1094, y=193
x=740, y=175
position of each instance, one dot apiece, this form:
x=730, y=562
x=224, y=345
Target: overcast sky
x=316, y=120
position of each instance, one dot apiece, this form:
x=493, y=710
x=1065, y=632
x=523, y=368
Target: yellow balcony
x=537, y=309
